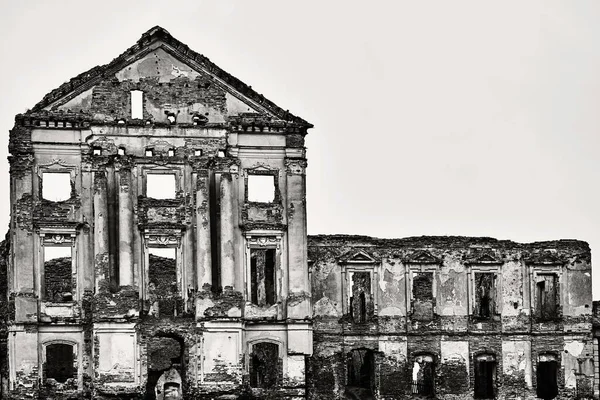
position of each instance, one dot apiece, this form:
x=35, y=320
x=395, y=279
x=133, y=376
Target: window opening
x=261, y=188
x=149, y=152
x=160, y=186
x=485, y=376
x=361, y=295
x=361, y=369
x=547, y=296
x=59, y=363
x=137, y=104
x=97, y=151
x=262, y=270
x=121, y=151
x=171, y=152
x=423, y=375
x=165, y=368
x=547, y=384
x=56, y=186
x=485, y=284
x=264, y=365
x=58, y=274
x=423, y=296
x=198, y=152
x=163, y=290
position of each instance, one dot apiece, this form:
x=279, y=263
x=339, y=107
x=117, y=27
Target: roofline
x=155, y=34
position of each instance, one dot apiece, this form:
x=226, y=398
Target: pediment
x=484, y=258
x=422, y=257
x=544, y=258
x=358, y=257
x=175, y=81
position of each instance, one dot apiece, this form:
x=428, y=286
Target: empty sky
x=431, y=117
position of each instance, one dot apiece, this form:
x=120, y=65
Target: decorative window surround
x=263, y=239
x=359, y=261
x=263, y=170
x=544, y=267
x=484, y=265
x=420, y=262
x=56, y=237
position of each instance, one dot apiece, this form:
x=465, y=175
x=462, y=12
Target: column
x=101, y=265
x=203, y=249
x=227, y=232
x=125, y=228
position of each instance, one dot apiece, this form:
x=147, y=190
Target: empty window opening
x=422, y=289
x=264, y=365
x=137, y=104
x=360, y=296
x=198, y=152
x=163, y=290
x=58, y=274
x=221, y=153
x=360, y=371
x=262, y=280
x=149, y=152
x=199, y=119
x=121, y=151
x=485, y=376
x=547, y=296
x=547, y=382
x=423, y=374
x=165, y=368
x=97, y=151
x=485, y=284
x=171, y=152
x=160, y=186
x=59, y=363
x=261, y=188
x=56, y=186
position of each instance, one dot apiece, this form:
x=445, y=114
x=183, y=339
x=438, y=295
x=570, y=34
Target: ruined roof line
x=87, y=79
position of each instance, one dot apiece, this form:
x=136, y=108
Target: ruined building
x=158, y=250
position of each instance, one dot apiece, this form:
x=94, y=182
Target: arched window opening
x=423, y=374
x=264, y=365
x=59, y=363
x=485, y=376
x=547, y=376
x=361, y=370
x=165, y=366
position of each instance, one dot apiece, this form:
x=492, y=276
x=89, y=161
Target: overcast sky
x=441, y=117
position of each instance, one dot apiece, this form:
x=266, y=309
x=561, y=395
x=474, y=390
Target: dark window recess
x=547, y=296
x=485, y=377
x=423, y=296
x=485, y=290
x=264, y=365
x=423, y=376
x=361, y=369
x=262, y=270
x=162, y=287
x=59, y=362
x=57, y=280
x=361, y=297
x=547, y=385
x=163, y=354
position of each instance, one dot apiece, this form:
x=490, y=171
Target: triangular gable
x=422, y=257
x=483, y=258
x=176, y=64
x=357, y=257
x=544, y=258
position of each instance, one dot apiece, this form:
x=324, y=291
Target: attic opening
x=58, y=282
x=56, y=186
x=160, y=186
x=137, y=104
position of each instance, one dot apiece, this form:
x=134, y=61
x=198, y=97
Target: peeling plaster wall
x=454, y=335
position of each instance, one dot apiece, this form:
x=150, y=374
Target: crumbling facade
x=158, y=250
x=450, y=318
x=157, y=245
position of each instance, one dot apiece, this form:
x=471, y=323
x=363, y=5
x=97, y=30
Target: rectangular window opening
x=547, y=383
x=56, y=186
x=547, y=296
x=262, y=280
x=265, y=365
x=485, y=373
x=361, y=297
x=361, y=365
x=163, y=289
x=60, y=362
x=423, y=296
x=58, y=274
x=161, y=186
x=485, y=290
x=137, y=104
x=423, y=376
x=261, y=188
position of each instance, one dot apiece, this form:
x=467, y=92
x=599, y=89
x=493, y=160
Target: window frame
x=434, y=362
x=77, y=362
x=55, y=237
x=550, y=268
x=476, y=361
x=161, y=171
x=493, y=268
x=263, y=239
x=57, y=166
x=280, y=355
x=263, y=170
x=359, y=261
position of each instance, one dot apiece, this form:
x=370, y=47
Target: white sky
x=431, y=117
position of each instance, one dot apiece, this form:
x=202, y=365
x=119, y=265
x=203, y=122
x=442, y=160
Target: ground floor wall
x=450, y=366
x=159, y=360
